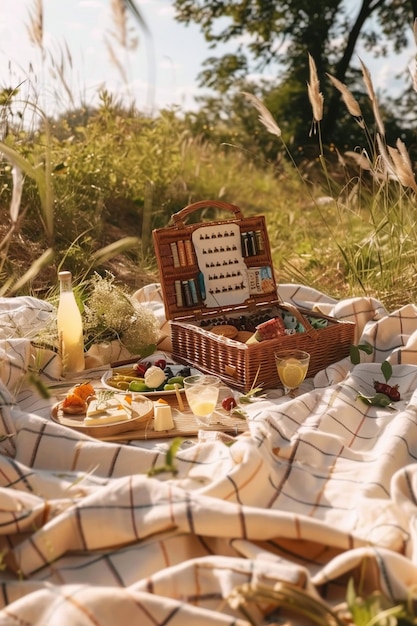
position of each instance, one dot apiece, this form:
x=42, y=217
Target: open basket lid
x=214, y=266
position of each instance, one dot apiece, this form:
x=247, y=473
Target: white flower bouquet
x=110, y=314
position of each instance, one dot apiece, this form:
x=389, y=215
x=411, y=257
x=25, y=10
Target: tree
x=279, y=34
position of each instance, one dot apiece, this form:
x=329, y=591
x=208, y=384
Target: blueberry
x=184, y=372
x=168, y=372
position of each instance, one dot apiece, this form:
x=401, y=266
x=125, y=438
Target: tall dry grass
x=35, y=26
x=33, y=162
x=370, y=217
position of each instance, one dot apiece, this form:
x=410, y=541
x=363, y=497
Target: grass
x=339, y=229
x=96, y=178
x=368, y=216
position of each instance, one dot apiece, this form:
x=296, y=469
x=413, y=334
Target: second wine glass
x=202, y=393
x=292, y=367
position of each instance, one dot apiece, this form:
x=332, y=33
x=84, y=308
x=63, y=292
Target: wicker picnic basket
x=218, y=276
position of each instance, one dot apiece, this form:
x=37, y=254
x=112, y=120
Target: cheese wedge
x=163, y=417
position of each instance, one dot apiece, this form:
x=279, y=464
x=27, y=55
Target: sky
x=161, y=72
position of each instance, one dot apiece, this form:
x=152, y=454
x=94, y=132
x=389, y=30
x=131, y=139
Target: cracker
x=225, y=330
x=243, y=335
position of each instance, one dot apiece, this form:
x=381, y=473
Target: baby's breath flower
x=109, y=313
x=142, y=331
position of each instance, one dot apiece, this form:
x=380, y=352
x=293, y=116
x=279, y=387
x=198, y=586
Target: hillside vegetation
x=85, y=191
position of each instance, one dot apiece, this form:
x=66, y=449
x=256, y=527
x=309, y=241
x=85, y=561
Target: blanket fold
x=321, y=489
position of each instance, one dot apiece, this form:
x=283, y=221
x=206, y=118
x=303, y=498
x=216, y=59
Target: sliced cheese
x=113, y=409
x=97, y=406
x=118, y=415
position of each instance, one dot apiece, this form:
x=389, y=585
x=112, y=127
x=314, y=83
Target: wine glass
x=202, y=393
x=292, y=367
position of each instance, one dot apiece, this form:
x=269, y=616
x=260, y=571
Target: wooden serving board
x=116, y=429
x=185, y=426
x=142, y=428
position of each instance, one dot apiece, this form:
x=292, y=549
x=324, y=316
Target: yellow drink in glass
x=202, y=393
x=292, y=367
x=201, y=408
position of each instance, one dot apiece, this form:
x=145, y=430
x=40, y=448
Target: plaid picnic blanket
x=320, y=490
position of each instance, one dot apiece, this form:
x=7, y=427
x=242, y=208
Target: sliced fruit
x=291, y=373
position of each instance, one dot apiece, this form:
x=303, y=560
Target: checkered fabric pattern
x=320, y=489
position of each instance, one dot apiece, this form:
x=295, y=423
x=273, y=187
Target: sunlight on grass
x=344, y=224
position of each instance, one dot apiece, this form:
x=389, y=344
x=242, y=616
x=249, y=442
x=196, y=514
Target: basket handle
x=178, y=218
x=308, y=328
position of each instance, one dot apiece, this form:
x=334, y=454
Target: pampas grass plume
x=384, y=159
x=315, y=96
x=35, y=28
x=265, y=116
x=402, y=165
x=361, y=159
x=351, y=103
x=372, y=96
x=118, y=8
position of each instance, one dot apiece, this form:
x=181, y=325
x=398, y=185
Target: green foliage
x=355, y=352
x=376, y=610
x=355, y=357
x=386, y=369
x=87, y=176
x=170, y=459
x=278, y=35
x=109, y=158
